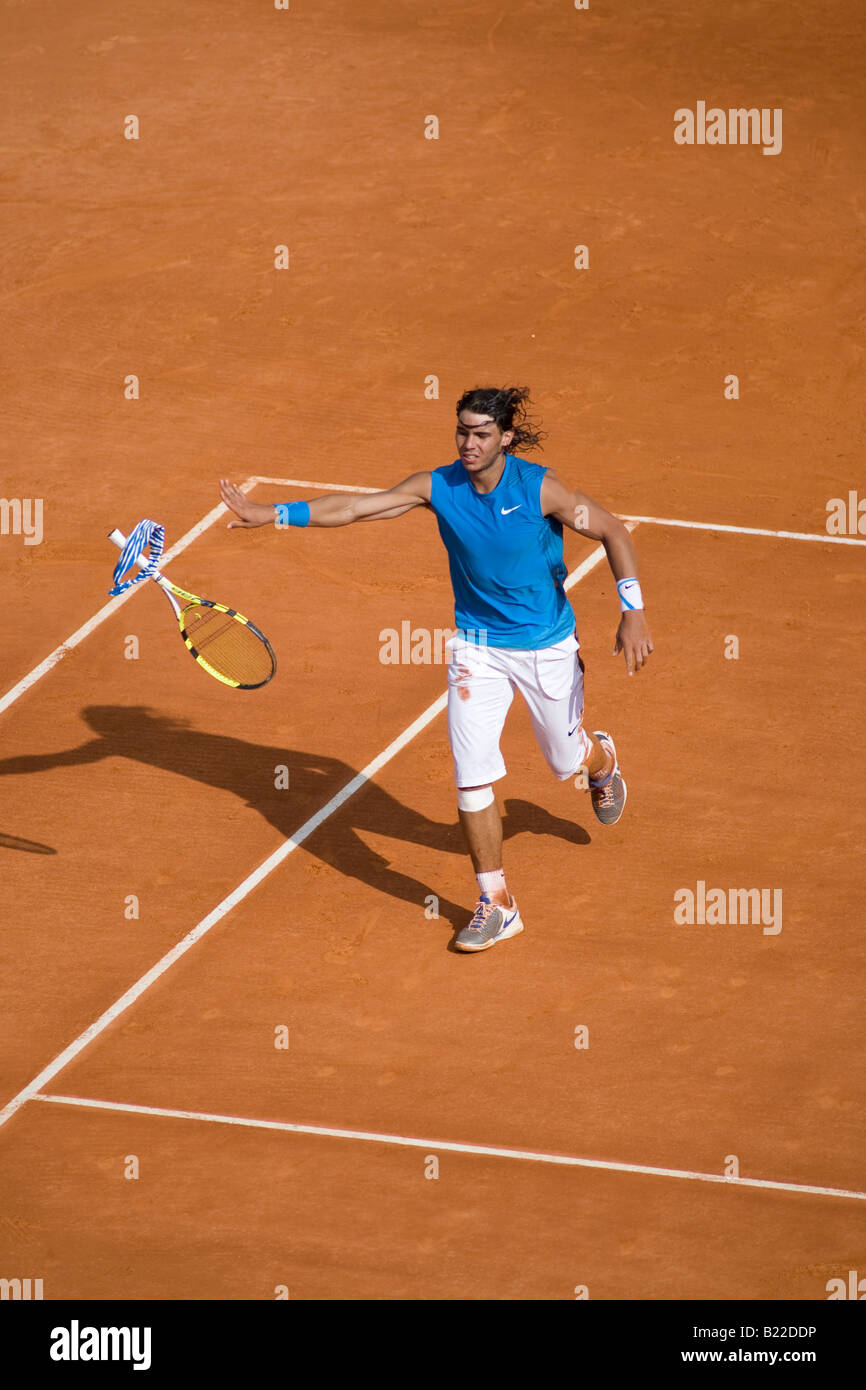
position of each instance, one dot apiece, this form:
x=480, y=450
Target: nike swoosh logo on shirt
x=505, y=510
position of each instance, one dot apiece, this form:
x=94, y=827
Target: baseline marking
x=650, y=520
x=317, y=487
x=451, y=1146
x=110, y=608
x=29, y=1092
x=747, y=530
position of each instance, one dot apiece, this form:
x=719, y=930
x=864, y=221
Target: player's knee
x=474, y=798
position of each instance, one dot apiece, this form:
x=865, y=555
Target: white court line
x=29, y=1092
x=317, y=487
x=450, y=1146
x=111, y=608
x=747, y=530
x=650, y=520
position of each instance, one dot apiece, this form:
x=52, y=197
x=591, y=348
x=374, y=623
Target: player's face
x=481, y=444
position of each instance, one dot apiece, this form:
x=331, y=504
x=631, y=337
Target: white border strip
x=746, y=530
x=650, y=520
x=111, y=608
x=450, y=1146
x=317, y=487
x=29, y=1092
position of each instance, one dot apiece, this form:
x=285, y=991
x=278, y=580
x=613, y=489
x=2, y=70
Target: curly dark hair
x=507, y=406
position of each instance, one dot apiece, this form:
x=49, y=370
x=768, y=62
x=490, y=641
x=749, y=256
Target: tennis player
x=500, y=517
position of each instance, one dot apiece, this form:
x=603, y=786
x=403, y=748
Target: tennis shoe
x=490, y=923
x=608, y=797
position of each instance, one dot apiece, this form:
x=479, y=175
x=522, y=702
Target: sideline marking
x=451, y=1146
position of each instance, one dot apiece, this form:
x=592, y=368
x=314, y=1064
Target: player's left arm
x=580, y=513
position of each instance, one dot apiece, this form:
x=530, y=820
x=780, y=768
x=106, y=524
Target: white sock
x=492, y=882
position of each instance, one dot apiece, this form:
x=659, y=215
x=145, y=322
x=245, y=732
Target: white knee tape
x=475, y=799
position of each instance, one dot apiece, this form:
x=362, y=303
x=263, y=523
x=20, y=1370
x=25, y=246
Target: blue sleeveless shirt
x=505, y=557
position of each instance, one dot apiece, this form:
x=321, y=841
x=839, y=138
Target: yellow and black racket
x=224, y=643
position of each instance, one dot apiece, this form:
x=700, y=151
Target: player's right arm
x=340, y=509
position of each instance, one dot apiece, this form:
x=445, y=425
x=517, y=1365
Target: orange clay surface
x=410, y=258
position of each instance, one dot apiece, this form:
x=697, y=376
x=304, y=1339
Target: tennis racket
x=223, y=642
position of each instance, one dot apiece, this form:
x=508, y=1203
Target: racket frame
x=195, y=600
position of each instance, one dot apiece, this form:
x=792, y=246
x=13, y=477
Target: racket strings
x=227, y=644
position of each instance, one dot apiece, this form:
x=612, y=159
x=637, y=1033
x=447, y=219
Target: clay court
x=619, y=1105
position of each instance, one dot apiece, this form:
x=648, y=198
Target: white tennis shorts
x=481, y=685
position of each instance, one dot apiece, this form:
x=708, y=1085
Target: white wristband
x=630, y=596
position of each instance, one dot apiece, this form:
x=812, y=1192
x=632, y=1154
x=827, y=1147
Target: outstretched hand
x=247, y=512
x=633, y=640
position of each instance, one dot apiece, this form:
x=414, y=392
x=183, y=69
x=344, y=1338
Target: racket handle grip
x=119, y=540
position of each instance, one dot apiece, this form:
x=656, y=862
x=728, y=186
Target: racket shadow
x=247, y=770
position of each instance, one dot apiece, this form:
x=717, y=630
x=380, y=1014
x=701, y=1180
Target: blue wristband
x=291, y=514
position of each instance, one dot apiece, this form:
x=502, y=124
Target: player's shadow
x=250, y=771
x=28, y=846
